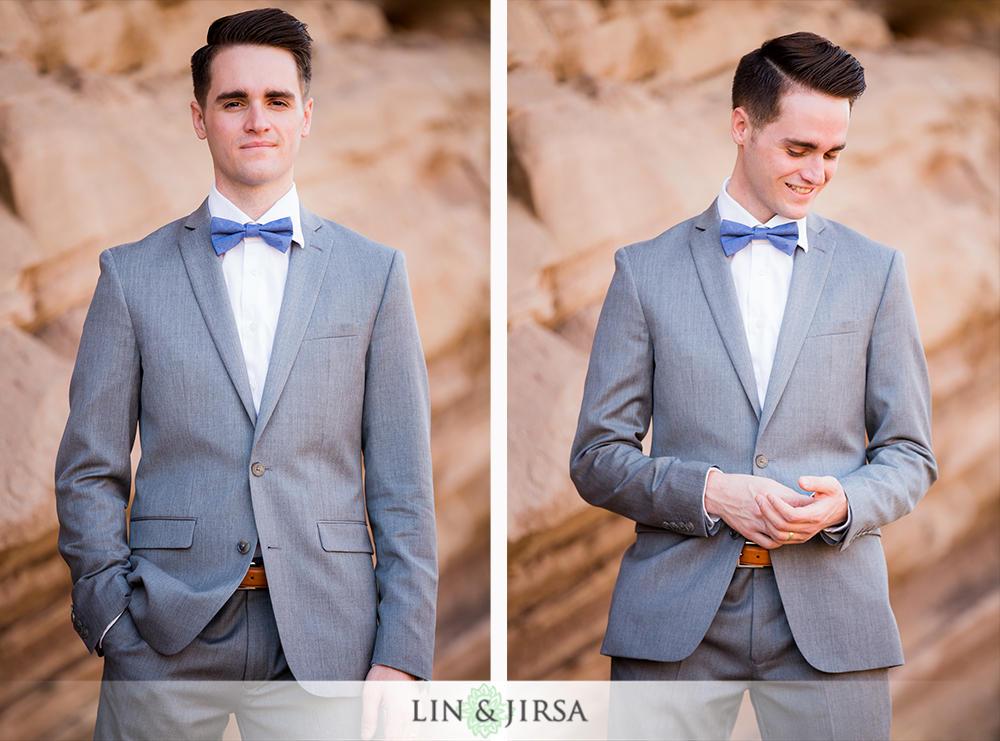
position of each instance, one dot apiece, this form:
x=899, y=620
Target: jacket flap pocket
x=333, y=330
x=344, y=536
x=161, y=532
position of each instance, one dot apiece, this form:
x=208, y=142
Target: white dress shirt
x=255, y=275
x=762, y=274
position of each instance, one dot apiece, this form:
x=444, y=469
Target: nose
x=814, y=172
x=257, y=120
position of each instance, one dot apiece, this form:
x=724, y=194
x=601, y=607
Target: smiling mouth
x=800, y=190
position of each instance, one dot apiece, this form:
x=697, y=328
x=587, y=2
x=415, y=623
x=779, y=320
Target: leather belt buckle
x=754, y=557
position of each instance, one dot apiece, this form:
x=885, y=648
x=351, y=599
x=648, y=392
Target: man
x=271, y=362
x=765, y=344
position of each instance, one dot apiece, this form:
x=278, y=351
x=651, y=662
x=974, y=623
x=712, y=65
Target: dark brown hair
x=766, y=74
x=262, y=27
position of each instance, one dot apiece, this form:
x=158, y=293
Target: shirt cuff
x=709, y=519
x=100, y=641
x=833, y=535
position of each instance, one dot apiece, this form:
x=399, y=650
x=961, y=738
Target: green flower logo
x=484, y=711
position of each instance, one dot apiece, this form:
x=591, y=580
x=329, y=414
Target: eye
x=795, y=153
x=832, y=156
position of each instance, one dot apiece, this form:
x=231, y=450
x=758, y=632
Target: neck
x=739, y=192
x=254, y=201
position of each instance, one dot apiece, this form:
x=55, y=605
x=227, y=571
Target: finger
x=792, y=498
x=395, y=713
x=803, y=520
x=820, y=485
x=762, y=538
x=371, y=697
x=410, y=729
x=766, y=541
x=775, y=517
x=394, y=725
x=781, y=508
x=783, y=531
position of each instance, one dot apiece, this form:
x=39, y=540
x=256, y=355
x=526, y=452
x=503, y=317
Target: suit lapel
x=808, y=278
x=720, y=292
x=306, y=271
x=209, y=285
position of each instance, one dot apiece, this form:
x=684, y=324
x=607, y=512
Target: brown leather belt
x=255, y=578
x=754, y=557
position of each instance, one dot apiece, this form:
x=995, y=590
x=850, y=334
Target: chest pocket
x=825, y=329
x=333, y=330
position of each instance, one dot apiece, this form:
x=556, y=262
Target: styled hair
x=261, y=27
x=799, y=59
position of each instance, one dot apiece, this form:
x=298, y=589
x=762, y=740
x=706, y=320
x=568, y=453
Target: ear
x=740, y=126
x=198, y=119
x=307, y=111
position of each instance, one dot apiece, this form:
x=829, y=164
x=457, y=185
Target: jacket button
x=257, y=469
x=243, y=547
x=733, y=534
x=761, y=461
x=84, y=633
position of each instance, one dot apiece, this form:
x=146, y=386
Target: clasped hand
x=771, y=514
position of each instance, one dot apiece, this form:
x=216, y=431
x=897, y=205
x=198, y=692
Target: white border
x=498, y=345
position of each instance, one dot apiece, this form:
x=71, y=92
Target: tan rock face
x=97, y=149
x=618, y=128
x=36, y=387
x=538, y=441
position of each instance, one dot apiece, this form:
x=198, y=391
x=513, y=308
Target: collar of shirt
x=287, y=205
x=730, y=209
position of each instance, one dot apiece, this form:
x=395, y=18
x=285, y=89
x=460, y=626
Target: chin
x=256, y=177
x=796, y=211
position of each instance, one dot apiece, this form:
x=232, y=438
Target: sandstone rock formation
x=96, y=149
x=618, y=127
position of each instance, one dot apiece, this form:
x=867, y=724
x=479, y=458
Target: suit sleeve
x=398, y=482
x=901, y=465
x=93, y=469
x=607, y=463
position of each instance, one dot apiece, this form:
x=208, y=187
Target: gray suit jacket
x=343, y=436
x=670, y=349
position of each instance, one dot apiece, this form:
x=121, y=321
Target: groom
x=777, y=357
x=271, y=363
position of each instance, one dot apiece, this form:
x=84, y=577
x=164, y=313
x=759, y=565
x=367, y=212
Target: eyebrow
x=243, y=95
x=810, y=145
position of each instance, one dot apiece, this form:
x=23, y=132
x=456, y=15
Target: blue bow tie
x=736, y=236
x=227, y=234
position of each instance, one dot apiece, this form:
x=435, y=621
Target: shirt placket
x=250, y=306
x=756, y=311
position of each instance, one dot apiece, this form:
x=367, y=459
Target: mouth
x=800, y=190
x=257, y=145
